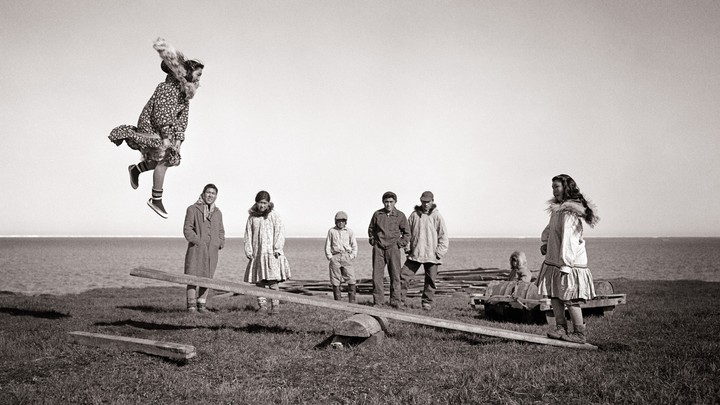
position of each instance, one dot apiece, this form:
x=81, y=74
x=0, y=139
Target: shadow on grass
x=146, y=325
x=250, y=328
x=34, y=313
x=151, y=309
x=614, y=347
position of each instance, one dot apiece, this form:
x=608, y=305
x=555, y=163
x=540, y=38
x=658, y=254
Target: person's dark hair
x=389, y=194
x=571, y=191
x=210, y=185
x=262, y=195
x=165, y=68
x=190, y=66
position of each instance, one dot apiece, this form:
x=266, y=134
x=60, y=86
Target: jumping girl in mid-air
x=161, y=127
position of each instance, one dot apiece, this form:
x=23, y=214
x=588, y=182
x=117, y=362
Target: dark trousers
x=409, y=269
x=381, y=258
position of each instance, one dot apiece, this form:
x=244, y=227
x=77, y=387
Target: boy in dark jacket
x=388, y=235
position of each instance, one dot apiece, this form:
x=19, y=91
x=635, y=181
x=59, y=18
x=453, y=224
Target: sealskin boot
x=262, y=304
x=351, y=293
x=274, y=306
x=201, y=308
x=559, y=331
x=578, y=336
x=336, y=292
x=134, y=176
x=158, y=207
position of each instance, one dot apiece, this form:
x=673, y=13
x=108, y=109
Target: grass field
x=663, y=347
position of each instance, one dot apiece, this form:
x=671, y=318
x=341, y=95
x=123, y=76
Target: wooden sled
x=504, y=300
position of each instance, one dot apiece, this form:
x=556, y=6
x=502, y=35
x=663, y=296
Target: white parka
x=428, y=236
x=564, y=236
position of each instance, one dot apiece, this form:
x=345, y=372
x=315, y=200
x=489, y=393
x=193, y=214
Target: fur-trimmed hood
x=254, y=212
x=175, y=60
x=575, y=208
x=419, y=210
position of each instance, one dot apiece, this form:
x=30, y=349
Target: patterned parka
x=165, y=116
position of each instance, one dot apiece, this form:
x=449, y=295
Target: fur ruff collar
x=420, y=212
x=207, y=211
x=573, y=207
x=254, y=212
x=175, y=60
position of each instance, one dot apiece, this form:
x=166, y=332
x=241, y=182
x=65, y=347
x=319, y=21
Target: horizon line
x=322, y=237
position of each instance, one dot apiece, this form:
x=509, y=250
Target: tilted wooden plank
x=251, y=289
x=158, y=348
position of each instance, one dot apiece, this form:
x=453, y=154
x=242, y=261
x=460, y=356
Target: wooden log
x=339, y=341
x=358, y=325
x=250, y=289
x=157, y=348
x=603, y=288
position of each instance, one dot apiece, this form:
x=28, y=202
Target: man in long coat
x=205, y=234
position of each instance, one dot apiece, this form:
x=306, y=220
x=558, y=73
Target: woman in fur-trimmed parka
x=264, y=244
x=564, y=276
x=205, y=233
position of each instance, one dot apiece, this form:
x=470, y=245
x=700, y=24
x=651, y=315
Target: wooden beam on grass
x=358, y=325
x=251, y=289
x=157, y=348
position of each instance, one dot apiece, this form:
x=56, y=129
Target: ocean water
x=73, y=265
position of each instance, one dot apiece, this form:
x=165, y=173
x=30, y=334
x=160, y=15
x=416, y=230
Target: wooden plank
x=251, y=289
x=358, y=325
x=497, y=300
x=157, y=348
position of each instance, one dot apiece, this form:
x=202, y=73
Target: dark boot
x=351, y=293
x=134, y=176
x=578, y=336
x=201, y=308
x=336, y=292
x=559, y=331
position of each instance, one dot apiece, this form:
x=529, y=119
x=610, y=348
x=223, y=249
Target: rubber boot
x=559, y=331
x=351, y=293
x=336, y=292
x=578, y=335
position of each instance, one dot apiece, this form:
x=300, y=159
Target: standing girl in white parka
x=264, y=244
x=564, y=276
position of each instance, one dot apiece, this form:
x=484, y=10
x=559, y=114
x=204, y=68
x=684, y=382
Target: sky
x=328, y=104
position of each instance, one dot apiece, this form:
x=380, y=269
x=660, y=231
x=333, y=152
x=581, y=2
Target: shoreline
x=323, y=237
x=5, y=293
